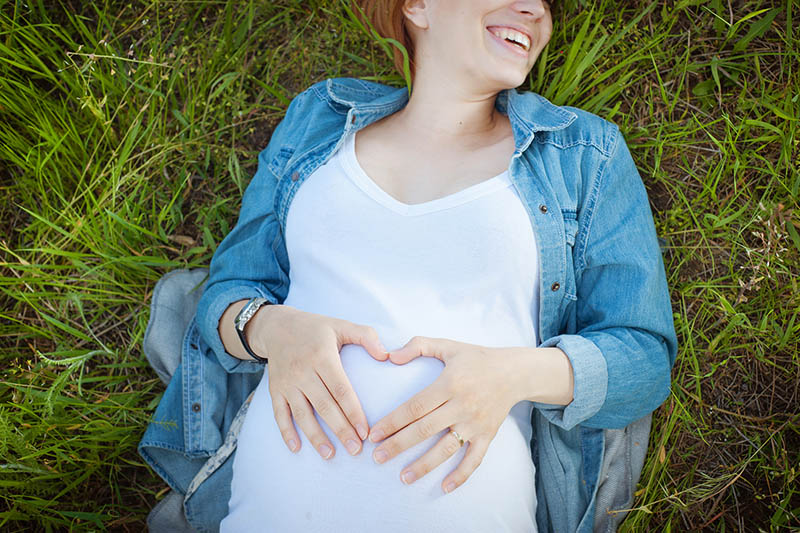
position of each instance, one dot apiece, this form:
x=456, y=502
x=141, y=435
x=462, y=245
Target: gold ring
x=456, y=435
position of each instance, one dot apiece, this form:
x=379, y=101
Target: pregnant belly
x=274, y=489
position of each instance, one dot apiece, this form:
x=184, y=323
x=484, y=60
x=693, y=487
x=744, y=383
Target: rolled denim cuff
x=210, y=324
x=590, y=381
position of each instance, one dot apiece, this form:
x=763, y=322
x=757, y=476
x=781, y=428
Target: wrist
x=256, y=329
x=544, y=375
x=243, y=319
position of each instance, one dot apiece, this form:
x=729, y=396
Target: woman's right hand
x=305, y=371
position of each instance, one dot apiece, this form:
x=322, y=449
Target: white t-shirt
x=463, y=267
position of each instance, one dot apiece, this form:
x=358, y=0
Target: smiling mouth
x=513, y=47
x=513, y=37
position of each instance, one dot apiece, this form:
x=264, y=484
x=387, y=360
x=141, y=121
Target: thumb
x=416, y=347
x=367, y=337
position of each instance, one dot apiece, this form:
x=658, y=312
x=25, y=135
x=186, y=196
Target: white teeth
x=507, y=33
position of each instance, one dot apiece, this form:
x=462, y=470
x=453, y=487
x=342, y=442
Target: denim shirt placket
x=192, y=375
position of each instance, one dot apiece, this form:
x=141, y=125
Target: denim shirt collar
x=528, y=112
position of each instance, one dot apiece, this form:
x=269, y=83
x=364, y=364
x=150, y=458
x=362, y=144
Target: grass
x=128, y=132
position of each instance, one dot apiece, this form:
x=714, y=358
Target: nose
x=534, y=8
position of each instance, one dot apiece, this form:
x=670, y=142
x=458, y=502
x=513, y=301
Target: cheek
x=547, y=31
x=545, y=34
x=453, y=47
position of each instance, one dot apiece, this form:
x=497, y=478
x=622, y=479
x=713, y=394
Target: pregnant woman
x=460, y=287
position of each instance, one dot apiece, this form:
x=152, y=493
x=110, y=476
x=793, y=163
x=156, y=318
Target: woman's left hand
x=473, y=395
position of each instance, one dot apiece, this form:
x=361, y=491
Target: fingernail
x=408, y=478
x=352, y=447
x=380, y=456
x=362, y=431
x=450, y=486
x=292, y=444
x=325, y=450
x=376, y=435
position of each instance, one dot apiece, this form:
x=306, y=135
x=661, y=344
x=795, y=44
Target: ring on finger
x=454, y=433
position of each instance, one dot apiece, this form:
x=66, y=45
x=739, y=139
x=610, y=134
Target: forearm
x=541, y=375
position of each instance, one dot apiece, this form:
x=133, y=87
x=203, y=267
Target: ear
x=416, y=11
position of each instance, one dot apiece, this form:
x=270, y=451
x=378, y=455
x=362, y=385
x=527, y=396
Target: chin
x=510, y=77
x=509, y=81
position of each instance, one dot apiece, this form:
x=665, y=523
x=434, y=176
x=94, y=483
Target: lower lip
x=508, y=46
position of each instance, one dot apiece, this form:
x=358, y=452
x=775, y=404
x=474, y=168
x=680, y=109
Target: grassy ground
x=128, y=131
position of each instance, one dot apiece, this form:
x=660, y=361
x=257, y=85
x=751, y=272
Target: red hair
x=387, y=17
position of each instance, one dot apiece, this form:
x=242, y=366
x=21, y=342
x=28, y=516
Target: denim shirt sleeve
x=625, y=344
x=245, y=265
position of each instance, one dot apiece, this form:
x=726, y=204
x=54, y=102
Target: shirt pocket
x=570, y=234
x=277, y=165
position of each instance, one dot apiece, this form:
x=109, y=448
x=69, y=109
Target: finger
x=340, y=388
x=366, y=336
x=413, y=434
x=446, y=447
x=476, y=451
x=283, y=417
x=421, y=347
x=329, y=411
x=304, y=417
x=413, y=409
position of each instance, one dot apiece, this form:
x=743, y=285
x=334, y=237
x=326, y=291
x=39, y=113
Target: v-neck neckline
x=368, y=185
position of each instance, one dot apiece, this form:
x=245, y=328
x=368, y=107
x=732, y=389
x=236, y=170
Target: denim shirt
x=604, y=299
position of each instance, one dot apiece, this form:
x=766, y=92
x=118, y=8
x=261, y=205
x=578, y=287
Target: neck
x=439, y=114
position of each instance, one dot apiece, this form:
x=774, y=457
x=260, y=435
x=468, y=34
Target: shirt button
x=295, y=176
x=555, y=286
x=543, y=208
x=196, y=407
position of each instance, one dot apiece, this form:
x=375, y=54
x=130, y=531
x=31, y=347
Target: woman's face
x=469, y=40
